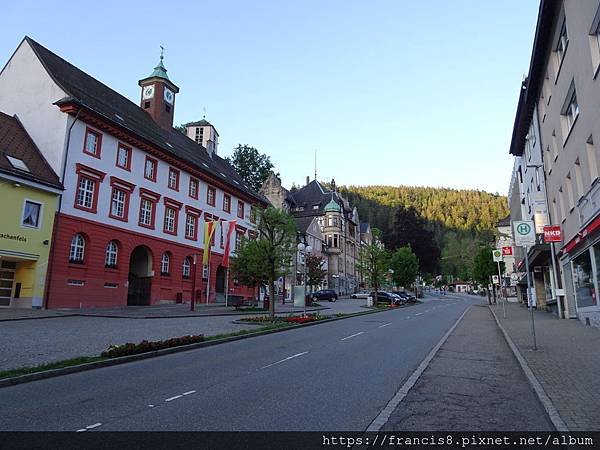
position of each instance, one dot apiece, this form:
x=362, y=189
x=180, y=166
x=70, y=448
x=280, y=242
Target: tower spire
x=315, y=164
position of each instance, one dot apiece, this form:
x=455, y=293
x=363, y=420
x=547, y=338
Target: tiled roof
x=302, y=223
x=16, y=143
x=90, y=93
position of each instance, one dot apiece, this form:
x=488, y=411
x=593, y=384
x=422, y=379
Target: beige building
x=562, y=93
x=338, y=221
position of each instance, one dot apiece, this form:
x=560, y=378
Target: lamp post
x=304, y=250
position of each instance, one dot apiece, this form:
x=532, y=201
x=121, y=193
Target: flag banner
x=230, y=228
x=209, y=230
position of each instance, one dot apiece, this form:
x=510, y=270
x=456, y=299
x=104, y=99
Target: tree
x=410, y=229
x=273, y=251
x=247, y=265
x=484, y=266
x=252, y=166
x=181, y=128
x=405, y=265
x=374, y=262
x=315, y=274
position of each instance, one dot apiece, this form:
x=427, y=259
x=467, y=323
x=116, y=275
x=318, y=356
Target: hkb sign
x=524, y=231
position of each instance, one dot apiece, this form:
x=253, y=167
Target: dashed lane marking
x=352, y=335
x=189, y=392
x=175, y=397
x=384, y=325
x=284, y=360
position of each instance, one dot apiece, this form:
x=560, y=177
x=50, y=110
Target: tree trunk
x=272, y=298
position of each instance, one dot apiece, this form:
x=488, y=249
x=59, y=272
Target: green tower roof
x=160, y=71
x=332, y=206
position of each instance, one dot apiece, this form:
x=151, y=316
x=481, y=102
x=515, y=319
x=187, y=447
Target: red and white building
x=137, y=191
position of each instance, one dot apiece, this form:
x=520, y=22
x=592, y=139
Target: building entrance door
x=220, y=284
x=7, y=279
x=140, y=277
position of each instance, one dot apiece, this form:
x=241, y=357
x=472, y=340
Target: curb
x=5, y=382
x=545, y=400
x=385, y=414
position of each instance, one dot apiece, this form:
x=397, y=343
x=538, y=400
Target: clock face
x=169, y=96
x=148, y=92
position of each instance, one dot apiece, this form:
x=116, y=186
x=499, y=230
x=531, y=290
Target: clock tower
x=158, y=95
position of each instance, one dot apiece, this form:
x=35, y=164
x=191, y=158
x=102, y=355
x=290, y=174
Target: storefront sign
x=507, y=251
x=552, y=233
x=524, y=231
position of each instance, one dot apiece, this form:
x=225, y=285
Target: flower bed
x=114, y=351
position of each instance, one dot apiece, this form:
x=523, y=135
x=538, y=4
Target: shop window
x=585, y=291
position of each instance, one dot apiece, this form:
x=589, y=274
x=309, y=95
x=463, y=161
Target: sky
x=391, y=92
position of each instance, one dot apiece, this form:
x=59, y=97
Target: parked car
x=386, y=297
x=361, y=294
x=325, y=294
x=407, y=296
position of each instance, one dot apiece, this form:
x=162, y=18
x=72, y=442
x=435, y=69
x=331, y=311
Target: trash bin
x=266, y=303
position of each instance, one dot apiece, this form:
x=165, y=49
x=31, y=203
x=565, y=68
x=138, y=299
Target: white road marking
x=170, y=399
x=96, y=425
x=150, y=406
x=418, y=314
x=284, y=360
x=81, y=430
x=384, y=325
x=189, y=392
x=352, y=335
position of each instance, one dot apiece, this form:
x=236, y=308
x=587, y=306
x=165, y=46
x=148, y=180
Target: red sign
x=552, y=233
x=507, y=251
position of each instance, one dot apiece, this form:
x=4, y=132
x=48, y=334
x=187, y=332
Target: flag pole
x=208, y=277
x=226, y=286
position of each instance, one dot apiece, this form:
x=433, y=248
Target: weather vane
x=204, y=110
x=162, y=52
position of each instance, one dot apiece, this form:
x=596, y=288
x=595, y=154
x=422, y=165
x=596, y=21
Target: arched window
x=77, y=249
x=164, y=264
x=186, y=267
x=112, y=250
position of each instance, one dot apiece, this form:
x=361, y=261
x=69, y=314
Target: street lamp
x=304, y=250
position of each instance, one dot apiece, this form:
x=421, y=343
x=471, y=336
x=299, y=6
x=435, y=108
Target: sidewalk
x=473, y=383
x=567, y=362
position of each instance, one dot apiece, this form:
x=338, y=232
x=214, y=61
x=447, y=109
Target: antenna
x=315, y=164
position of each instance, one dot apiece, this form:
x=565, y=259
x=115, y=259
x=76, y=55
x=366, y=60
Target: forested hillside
x=459, y=219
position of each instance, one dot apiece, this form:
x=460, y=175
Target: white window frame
x=121, y=149
x=190, y=226
x=169, y=223
x=117, y=203
x=165, y=260
x=173, y=178
x=85, y=193
x=77, y=249
x=186, y=268
x=146, y=213
x=112, y=254
x=39, y=215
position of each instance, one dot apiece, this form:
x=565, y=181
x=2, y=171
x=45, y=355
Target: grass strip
x=49, y=366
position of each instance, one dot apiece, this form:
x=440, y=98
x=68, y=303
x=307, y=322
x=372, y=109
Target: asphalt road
x=335, y=376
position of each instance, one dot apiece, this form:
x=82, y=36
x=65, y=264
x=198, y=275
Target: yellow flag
x=209, y=230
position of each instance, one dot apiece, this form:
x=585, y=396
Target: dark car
x=325, y=294
x=386, y=297
x=409, y=298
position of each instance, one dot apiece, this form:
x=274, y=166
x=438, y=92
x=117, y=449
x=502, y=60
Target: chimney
x=307, y=180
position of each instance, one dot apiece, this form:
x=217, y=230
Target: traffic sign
x=495, y=279
x=497, y=254
x=507, y=251
x=552, y=233
x=524, y=231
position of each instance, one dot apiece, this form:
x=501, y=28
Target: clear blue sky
x=388, y=92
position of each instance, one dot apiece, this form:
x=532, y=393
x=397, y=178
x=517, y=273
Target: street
x=336, y=376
